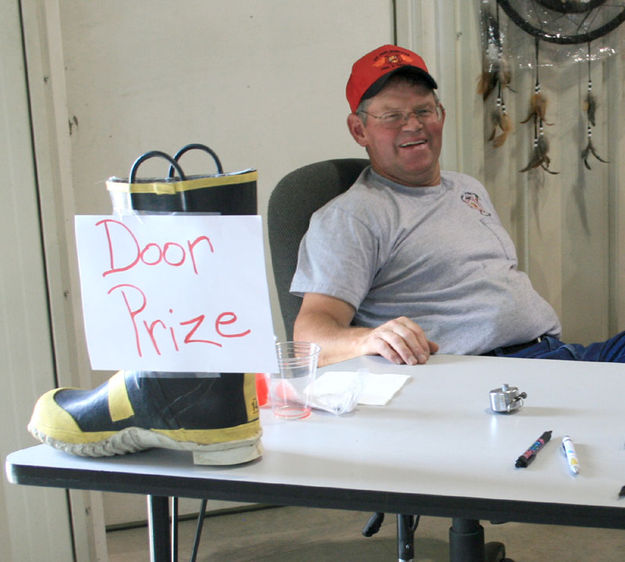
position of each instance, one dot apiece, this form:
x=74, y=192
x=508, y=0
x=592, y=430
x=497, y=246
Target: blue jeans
x=612, y=350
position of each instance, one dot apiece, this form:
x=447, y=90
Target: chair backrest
x=296, y=197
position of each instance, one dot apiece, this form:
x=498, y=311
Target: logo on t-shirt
x=473, y=201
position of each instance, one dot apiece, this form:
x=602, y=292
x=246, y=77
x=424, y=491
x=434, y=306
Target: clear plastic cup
x=290, y=388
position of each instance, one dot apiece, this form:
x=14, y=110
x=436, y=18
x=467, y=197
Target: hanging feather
x=539, y=156
x=497, y=74
x=538, y=107
x=486, y=84
x=536, y=158
x=590, y=107
x=538, y=101
x=501, y=122
x=506, y=128
x=496, y=69
x=590, y=150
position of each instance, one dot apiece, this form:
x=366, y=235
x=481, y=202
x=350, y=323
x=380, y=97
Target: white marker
x=568, y=450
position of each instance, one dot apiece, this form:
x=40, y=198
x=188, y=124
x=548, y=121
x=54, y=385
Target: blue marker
x=528, y=456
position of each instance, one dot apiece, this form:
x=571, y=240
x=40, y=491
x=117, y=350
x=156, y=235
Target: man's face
x=407, y=154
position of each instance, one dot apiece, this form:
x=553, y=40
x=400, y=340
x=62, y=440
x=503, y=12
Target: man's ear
x=357, y=129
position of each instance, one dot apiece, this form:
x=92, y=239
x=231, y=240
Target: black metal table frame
x=464, y=511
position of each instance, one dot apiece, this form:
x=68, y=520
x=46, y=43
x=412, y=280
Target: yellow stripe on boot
x=120, y=406
x=51, y=422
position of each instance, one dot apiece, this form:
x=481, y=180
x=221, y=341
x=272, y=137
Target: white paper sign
x=175, y=293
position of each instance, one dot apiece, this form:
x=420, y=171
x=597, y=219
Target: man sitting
x=411, y=260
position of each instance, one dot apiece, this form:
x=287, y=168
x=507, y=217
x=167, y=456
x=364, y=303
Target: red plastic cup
x=262, y=390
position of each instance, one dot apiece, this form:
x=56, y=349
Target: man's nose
x=412, y=122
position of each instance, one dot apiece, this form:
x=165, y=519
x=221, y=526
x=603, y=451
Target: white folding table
x=436, y=449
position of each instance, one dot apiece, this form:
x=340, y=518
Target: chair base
x=406, y=527
x=466, y=539
x=466, y=543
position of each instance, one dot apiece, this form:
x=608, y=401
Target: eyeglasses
x=396, y=119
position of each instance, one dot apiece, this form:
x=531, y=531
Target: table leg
x=405, y=537
x=158, y=527
x=174, y=529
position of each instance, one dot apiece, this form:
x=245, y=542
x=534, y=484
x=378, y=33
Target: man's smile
x=409, y=144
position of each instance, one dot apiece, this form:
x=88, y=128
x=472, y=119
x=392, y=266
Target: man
x=411, y=260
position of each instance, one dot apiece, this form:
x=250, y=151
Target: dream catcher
x=565, y=24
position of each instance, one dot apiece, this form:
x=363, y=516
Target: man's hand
x=399, y=340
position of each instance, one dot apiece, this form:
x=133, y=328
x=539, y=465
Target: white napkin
x=379, y=389
x=339, y=391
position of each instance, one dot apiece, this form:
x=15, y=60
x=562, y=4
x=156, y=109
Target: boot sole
x=134, y=439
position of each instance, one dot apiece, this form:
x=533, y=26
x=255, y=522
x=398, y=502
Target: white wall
x=26, y=348
x=261, y=82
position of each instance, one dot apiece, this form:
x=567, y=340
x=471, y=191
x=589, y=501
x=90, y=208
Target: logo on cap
x=389, y=60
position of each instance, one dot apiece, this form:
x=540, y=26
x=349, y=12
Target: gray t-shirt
x=438, y=255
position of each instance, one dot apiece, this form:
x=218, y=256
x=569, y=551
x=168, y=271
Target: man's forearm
x=338, y=343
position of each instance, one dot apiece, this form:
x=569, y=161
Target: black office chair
x=296, y=197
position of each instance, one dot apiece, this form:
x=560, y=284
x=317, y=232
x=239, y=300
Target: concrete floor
x=290, y=534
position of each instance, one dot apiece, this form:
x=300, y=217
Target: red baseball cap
x=371, y=72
